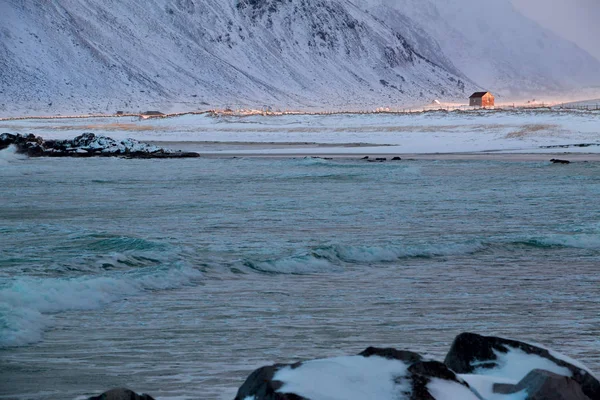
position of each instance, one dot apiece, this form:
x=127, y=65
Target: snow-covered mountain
x=498, y=47
x=101, y=56
x=108, y=55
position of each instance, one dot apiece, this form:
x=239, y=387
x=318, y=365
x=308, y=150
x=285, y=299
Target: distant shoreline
x=307, y=150
x=402, y=110
x=502, y=157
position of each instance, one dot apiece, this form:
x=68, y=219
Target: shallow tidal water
x=179, y=277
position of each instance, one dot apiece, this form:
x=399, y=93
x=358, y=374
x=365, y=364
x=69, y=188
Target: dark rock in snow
x=471, y=351
x=406, y=356
x=558, y=161
x=261, y=385
x=87, y=145
x=545, y=385
x=421, y=374
x=121, y=394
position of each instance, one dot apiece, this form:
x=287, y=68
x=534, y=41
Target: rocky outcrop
x=498, y=368
x=86, y=145
x=388, y=373
x=262, y=385
x=472, y=353
x=544, y=385
x=375, y=372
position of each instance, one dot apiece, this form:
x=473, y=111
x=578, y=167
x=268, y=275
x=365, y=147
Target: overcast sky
x=576, y=20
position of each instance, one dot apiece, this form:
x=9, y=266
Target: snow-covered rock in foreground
x=86, y=145
x=504, y=358
x=373, y=374
x=493, y=369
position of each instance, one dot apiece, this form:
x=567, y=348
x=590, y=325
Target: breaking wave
x=382, y=254
x=10, y=155
x=586, y=241
x=335, y=257
x=26, y=302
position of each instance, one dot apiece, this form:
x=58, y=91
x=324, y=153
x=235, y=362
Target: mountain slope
x=86, y=56
x=497, y=47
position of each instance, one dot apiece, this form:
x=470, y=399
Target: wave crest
x=25, y=302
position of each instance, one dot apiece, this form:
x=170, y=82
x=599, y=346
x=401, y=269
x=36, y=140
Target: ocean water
x=179, y=277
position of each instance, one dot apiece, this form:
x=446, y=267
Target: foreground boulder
x=373, y=374
x=476, y=368
x=121, y=394
x=86, y=145
x=488, y=355
x=544, y=385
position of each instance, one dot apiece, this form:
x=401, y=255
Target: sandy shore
x=324, y=150
x=574, y=157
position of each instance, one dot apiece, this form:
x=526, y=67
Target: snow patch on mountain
x=87, y=56
x=91, y=56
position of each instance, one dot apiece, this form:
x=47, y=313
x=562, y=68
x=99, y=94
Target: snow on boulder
x=484, y=386
x=86, y=145
x=511, y=359
x=374, y=374
x=543, y=385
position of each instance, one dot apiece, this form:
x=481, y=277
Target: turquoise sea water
x=178, y=277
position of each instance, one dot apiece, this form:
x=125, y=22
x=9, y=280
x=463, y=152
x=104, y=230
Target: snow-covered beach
x=495, y=134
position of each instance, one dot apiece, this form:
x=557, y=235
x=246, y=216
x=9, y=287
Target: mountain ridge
x=80, y=56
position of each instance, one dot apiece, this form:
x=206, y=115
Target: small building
x=482, y=99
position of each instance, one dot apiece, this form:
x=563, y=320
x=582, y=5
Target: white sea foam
x=578, y=241
x=10, y=155
x=367, y=254
x=26, y=302
x=328, y=258
x=306, y=264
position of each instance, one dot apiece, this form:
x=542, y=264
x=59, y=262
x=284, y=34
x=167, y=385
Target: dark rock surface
x=469, y=348
x=545, y=385
x=121, y=394
x=406, y=356
x=261, y=385
x=421, y=374
x=86, y=145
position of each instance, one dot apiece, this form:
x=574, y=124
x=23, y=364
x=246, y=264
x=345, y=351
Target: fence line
x=244, y=112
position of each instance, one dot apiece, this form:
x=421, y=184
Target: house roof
x=477, y=95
